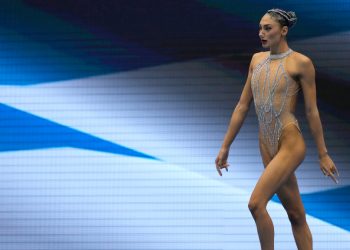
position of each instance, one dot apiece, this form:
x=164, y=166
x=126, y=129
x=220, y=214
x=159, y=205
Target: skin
x=278, y=175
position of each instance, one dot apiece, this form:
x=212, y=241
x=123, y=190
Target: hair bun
x=292, y=18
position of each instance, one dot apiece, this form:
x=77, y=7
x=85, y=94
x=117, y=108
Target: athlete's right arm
x=240, y=111
x=238, y=115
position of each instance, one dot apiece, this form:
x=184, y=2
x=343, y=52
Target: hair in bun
x=285, y=18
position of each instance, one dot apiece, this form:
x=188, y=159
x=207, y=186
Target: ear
x=284, y=30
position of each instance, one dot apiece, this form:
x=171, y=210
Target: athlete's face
x=271, y=32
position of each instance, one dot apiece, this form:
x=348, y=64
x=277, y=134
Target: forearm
x=237, y=119
x=317, y=131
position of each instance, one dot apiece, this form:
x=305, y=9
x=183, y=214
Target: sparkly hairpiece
x=288, y=16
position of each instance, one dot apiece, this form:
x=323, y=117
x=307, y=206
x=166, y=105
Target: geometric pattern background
x=112, y=113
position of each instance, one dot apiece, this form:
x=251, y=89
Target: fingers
x=333, y=177
x=225, y=166
x=328, y=168
x=219, y=171
x=331, y=173
x=336, y=170
x=220, y=166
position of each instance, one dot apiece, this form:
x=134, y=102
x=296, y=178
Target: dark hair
x=284, y=18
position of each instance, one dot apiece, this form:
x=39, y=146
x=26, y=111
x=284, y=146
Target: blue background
x=112, y=114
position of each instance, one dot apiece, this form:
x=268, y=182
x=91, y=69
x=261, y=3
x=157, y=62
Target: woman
x=274, y=79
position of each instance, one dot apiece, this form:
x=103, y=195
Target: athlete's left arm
x=307, y=81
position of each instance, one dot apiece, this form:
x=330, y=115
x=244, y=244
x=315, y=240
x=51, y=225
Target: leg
x=276, y=173
x=290, y=197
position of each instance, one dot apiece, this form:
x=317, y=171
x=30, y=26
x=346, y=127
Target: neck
x=280, y=48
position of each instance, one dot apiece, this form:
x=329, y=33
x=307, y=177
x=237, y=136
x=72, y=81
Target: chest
x=271, y=78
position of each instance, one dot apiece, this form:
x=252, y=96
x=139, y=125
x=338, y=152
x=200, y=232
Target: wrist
x=321, y=155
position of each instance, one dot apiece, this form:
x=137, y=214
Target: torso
x=274, y=85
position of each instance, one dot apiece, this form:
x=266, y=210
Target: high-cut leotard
x=274, y=98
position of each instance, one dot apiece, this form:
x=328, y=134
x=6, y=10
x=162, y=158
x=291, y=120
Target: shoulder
x=301, y=67
x=258, y=57
x=301, y=60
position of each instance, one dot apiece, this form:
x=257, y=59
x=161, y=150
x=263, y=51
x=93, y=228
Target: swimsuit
x=273, y=91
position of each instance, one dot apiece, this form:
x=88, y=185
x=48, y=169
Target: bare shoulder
x=299, y=66
x=258, y=57
x=301, y=60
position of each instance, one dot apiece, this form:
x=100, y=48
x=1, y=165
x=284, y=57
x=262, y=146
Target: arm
x=237, y=119
x=307, y=81
x=239, y=113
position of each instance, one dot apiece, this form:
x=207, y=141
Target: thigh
x=289, y=195
x=265, y=155
x=274, y=176
x=279, y=169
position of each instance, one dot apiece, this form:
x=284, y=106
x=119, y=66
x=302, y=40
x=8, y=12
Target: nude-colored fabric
x=274, y=93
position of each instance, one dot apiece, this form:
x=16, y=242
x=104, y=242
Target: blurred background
x=112, y=114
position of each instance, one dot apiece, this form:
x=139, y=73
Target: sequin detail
x=273, y=90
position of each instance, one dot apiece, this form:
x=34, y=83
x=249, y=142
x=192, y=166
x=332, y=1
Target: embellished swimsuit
x=274, y=98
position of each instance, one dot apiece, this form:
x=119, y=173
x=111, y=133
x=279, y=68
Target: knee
x=256, y=207
x=296, y=216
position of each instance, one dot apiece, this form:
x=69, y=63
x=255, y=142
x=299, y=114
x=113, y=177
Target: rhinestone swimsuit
x=273, y=90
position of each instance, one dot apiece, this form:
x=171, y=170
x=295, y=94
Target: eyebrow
x=265, y=25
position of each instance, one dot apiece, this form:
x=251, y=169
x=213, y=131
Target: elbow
x=242, y=107
x=311, y=112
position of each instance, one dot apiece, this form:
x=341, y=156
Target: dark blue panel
x=39, y=47
x=316, y=18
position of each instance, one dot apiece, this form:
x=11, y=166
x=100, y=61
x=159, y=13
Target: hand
x=221, y=160
x=328, y=167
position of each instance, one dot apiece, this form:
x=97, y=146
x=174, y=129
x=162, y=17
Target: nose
x=261, y=34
